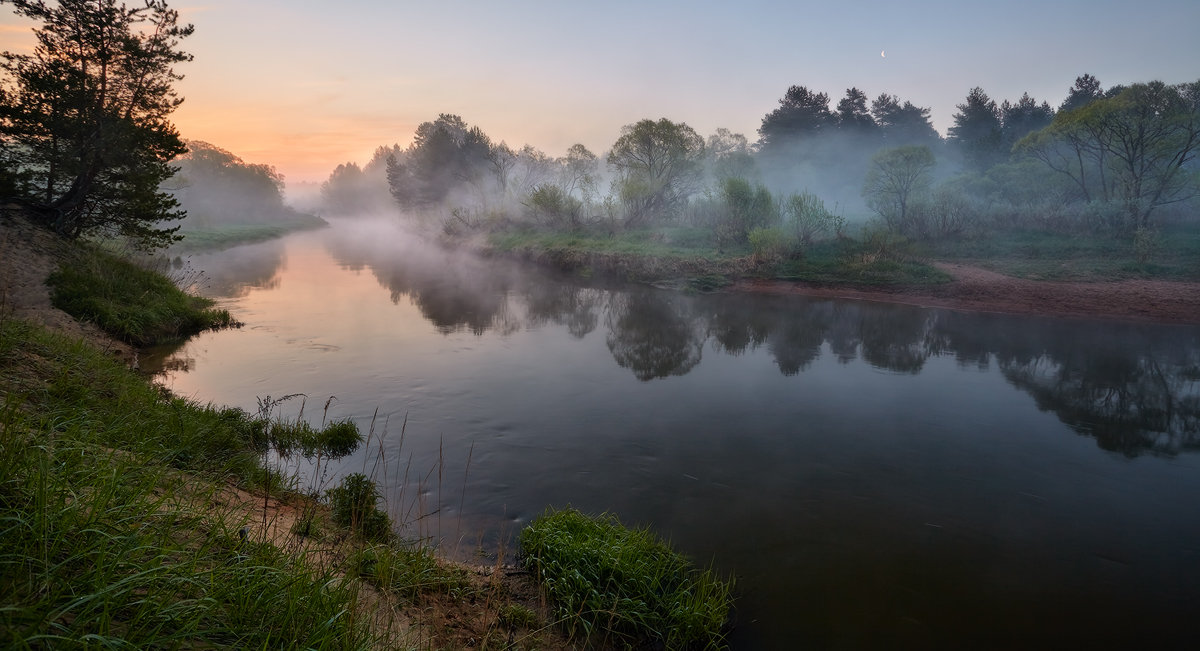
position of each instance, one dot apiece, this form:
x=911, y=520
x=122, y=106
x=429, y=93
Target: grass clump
x=409, y=570
x=624, y=586
x=355, y=504
x=131, y=303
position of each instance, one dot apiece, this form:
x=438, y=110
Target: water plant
x=624, y=586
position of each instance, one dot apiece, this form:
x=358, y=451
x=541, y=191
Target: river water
x=874, y=475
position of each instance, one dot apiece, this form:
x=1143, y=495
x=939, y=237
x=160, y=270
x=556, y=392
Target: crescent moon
x=881, y=53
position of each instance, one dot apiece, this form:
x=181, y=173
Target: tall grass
x=106, y=541
x=131, y=303
x=624, y=586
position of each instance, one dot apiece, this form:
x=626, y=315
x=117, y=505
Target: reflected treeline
x=1136, y=389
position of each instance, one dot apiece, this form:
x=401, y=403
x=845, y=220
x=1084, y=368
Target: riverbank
x=188, y=495
x=953, y=285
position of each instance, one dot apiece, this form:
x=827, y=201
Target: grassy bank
x=211, y=238
x=688, y=257
x=1170, y=253
x=132, y=518
x=129, y=302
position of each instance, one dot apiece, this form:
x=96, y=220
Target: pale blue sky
x=305, y=85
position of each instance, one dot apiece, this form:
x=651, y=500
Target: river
x=874, y=475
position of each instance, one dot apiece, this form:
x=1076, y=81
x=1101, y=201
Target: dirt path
x=980, y=290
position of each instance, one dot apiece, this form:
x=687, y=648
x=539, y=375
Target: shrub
x=355, y=506
x=624, y=585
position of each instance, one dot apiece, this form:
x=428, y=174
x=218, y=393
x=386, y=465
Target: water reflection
x=1133, y=389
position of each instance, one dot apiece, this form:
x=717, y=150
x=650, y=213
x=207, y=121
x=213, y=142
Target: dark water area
x=874, y=475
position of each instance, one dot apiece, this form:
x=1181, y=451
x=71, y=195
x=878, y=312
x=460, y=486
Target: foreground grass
x=109, y=534
x=623, y=586
x=129, y=302
x=196, y=239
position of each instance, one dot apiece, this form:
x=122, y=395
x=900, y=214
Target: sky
x=305, y=85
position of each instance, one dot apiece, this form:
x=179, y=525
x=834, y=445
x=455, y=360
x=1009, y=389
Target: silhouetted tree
x=802, y=113
x=853, y=115
x=1086, y=90
x=903, y=124
x=84, y=117
x=1020, y=119
x=976, y=132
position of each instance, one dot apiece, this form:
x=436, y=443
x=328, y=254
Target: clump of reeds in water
x=624, y=586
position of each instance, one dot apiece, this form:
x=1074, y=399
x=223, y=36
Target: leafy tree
x=801, y=113
x=1136, y=148
x=580, y=172
x=746, y=208
x=214, y=185
x=446, y=155
x=658, y=166
x=83, y=119
x=976, y=132
x=903, y=124
x=729, y=155
x=896, y=177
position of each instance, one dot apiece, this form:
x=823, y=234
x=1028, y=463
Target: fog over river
x=874, y=475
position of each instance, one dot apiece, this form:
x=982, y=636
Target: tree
x=83, y=120
x=216, y=186
x=853, y=116
x=729, y=155
x=801, y=113
x=903, y=124
x=976, y=132
x=1023, y=118
x=1086, y=90
x=658, y=166
x=895, y=178
x=1136, y=148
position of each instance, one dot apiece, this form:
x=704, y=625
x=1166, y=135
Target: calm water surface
x=874, y=475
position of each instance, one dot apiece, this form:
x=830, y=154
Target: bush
x=746, y=208
x=624, y=586
x=805, y=214
x=767, y=243
x=355, y=506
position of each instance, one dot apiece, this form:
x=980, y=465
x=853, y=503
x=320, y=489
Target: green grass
x=668, y=242
x=109, y=536
x=130, y=303
x=851, y=263
x=222, y=237
x=1041, y=255
x=623, y=586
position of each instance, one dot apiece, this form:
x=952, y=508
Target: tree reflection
x=653, y=336
x=576, y=308
x=896, y=337
x=796, y=340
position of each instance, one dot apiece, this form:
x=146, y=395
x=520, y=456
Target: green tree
x=1136, y=148
x=1023, y=118
x=83, y=119
x=659, y=166
x=801, y=113
x=896, y=177
x=1086, y=90
x=903, y=124
x=214, y=186
x=976, y=132
x=853, y=116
